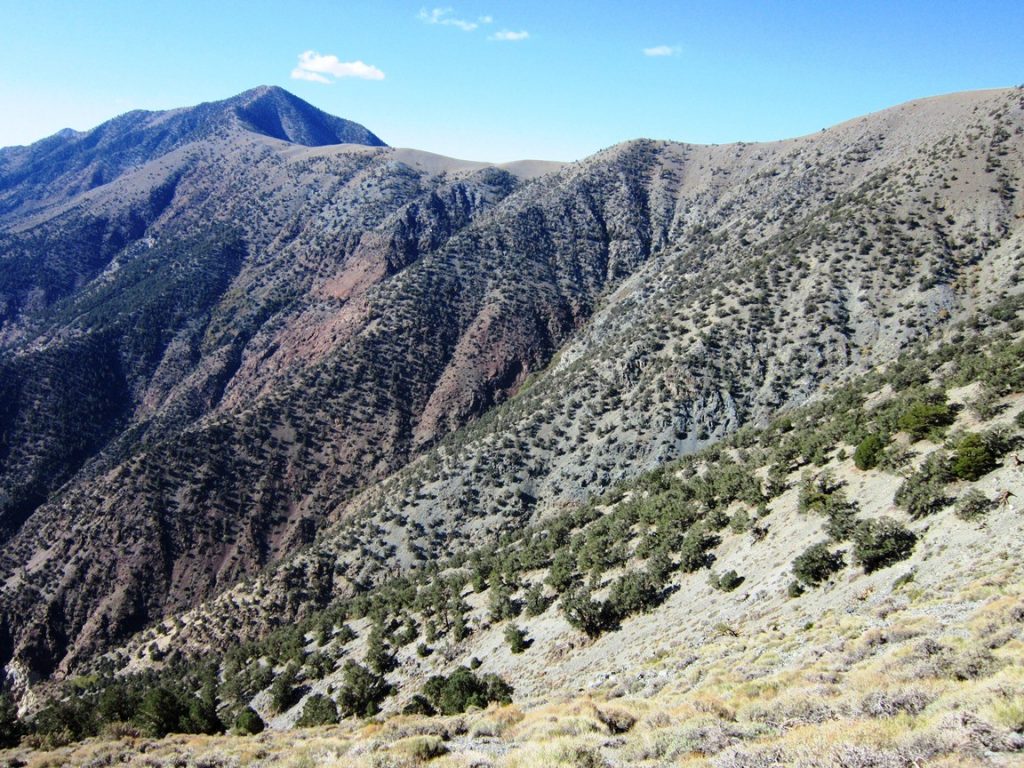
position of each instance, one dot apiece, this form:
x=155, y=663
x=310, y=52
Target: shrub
x=584, y=613
x=727, y=581
x=362, y=691
x=740, y=521
x=536, y=603
x=842, y=519
x=869, y=452
x=816, y=564
x=632, y=593
x=924, y=418
x=694, y=550
x=248, y=722
x=421, y=749
x=379, y=657
x=463, y=689
x=516, y=639
x=882, y=542
x=924, y=492
x=282, y=692
x=62, y=722
x=973, y=458
x=319, y=665
x=562, y=572
x=501, y=605
x=161, y=712
x=318, y=710
x=419, y=705
x=973, y=504
x=795, y=589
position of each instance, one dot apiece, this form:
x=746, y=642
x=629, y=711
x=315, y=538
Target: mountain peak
x=74, y=161
x=272, y=111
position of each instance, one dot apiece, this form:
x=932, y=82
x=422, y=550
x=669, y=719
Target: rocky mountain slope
x=231, y=349
x=840, y=587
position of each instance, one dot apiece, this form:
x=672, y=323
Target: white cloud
x=444, y=16
x=509, y=35
x=313, y=77
x=662, y=50
x=315, y=68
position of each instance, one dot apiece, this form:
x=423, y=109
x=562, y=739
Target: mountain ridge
x=637, y=305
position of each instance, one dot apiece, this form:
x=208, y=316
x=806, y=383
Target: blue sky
x=500, y=80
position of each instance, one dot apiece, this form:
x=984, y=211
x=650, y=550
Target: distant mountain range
x=237, y=331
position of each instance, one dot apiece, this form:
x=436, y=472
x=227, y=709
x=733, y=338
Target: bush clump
x=817, y=563
x=926, y=417
x=868, y=452
x=318, y=710
x=516, y=639
x=463, y=689
x=726, y=582
x=248, y=722
x=924, y=492
x=362, y=691
x=882, y=542
x=973, y=458
x=973, y=504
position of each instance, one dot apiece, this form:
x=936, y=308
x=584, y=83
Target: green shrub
x=516, y=639
x=362, y=692
x=318, y=710
x=817, y=563
x=694, y=552
x=868, y=452
x=924, y=418
x=419, y=705
x=584, y=613
x=379, y=657
x=631, y=593
x=536, y=603
x=282, y=692
x=463, y=689
x=62, y=722
x=740, y=521
x=973, y=504
x=726, y=582
x=795, y=589
x=501, y=605
x=562, y=572
x=972, y=458
x=924, y=492
x=319, y=665
x=882, y=542
x=162, y=712
x=248, y=722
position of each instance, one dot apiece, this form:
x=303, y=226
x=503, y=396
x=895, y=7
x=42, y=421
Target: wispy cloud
x=316, y=68
x=510, y=36
x=444, y=17
x=663, y=50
